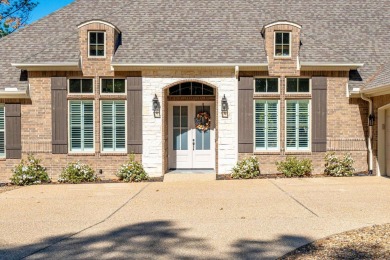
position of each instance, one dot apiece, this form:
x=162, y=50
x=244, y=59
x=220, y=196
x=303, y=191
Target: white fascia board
x=305, y=65
x=72, y=66
x=13, y=94
x=378, y=91
x=101, y=22
x=283, y=23
x=121, y=66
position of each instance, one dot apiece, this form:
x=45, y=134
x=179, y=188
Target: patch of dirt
x=366, y=243
x=6, y=187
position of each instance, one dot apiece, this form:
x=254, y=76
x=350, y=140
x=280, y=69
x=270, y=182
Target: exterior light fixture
x=156, y=107
x=225, y=107
x=371, y=120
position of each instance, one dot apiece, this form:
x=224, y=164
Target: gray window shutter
x=134, y=115
x=59, y=115
x=245, y=115
x=319, y=114
x=13, y=131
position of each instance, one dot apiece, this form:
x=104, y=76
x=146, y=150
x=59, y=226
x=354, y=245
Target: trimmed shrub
x=248, y=168
x=132, y=171
x=339, y=167
x=293, y=167
x=76, y=173
x=29, y=172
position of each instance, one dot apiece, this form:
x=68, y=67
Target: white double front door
x=189, y=147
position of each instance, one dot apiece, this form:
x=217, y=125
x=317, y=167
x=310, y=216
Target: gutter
x=328, y=65
x=370, y=169
x=47, y=66
x=137, y=66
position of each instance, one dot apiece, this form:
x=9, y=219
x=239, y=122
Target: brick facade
x=348, y=138
x=282, y=66
x=346, y=117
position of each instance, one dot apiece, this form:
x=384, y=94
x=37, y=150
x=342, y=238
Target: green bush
x=29, y=172
x=248, y=168
x=77, y=172
x=132, y=171
x=339, y=167
x=293, y=167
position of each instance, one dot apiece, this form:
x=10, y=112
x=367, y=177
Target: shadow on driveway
x=158, y=239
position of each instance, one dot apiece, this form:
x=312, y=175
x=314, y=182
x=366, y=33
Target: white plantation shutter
x=2, y=131
x=267, y=125
x=114, y=126
x=297, y=125
x=81, y=126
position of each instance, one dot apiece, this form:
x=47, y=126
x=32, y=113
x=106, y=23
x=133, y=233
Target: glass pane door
x=180, y=128
x=202, y=138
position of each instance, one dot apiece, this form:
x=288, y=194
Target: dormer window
x=282, y=44
x=97, y=44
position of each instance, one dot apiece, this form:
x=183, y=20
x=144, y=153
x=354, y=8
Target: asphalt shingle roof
x=381, y=78
x=208, y=31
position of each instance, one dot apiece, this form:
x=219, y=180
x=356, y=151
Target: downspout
x=370, y=170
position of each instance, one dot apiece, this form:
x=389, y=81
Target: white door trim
x=208, y=156
x=381, y=156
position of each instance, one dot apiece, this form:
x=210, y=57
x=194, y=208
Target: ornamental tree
x=14, y=14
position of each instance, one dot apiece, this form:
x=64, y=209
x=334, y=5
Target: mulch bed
x=224, y=177
x=366, y=243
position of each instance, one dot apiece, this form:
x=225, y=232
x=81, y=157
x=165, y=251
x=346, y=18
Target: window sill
x=296, y=95
x=113, y=154
x=267, y=153
x=267, y=95
x=82, y=154
x=100, y=58
x=298, y=153
x=81, y=96
x=282, y=58
x=113, y=96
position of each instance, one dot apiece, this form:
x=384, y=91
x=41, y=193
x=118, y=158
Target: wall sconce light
x=371, y=120
x=225, y=107
x=156, y=107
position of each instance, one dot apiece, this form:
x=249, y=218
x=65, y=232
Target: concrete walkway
x=255, y=219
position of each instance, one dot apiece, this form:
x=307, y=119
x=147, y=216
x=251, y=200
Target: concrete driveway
x=255, y=219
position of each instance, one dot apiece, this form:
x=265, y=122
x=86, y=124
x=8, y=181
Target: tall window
x=113, y=86
x=80, y=86
x=2, y=131
x=298, y=85
x=113, y=126
x=297, y=125
x=267, y=85
x=97, y=44
x=282, y=44
x=81, y=124
x=267, y=125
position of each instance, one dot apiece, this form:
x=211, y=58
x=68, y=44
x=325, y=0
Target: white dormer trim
x=101, y=22
x=283, y=23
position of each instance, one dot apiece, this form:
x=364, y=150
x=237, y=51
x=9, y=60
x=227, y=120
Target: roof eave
x=377, y=91
x=330, y=66
x=63, y=66
x=140, y=66
x=14, y=94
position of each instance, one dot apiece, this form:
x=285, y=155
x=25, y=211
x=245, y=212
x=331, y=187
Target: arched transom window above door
x=191, y=89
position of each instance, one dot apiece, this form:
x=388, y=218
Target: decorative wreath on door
x=203, y=121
